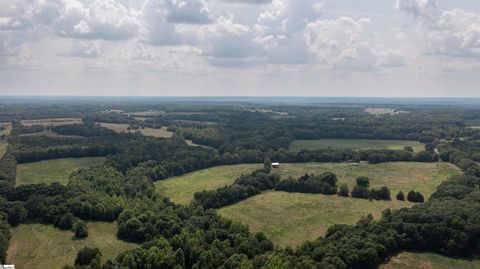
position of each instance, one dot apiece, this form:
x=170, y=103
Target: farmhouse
x=275, y=165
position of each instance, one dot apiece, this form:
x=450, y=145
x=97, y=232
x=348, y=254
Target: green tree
x=86, y=255
x=363, y=181
x=344, y=191
x=80, y=228
x=400, y=196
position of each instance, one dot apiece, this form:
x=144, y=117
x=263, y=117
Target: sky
x=240, y=47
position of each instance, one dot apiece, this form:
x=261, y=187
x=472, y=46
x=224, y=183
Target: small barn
x=275, y=165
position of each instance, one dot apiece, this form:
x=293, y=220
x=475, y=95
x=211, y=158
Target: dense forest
x=194, y=235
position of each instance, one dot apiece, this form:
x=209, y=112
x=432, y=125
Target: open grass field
x=57, y=170
x=380, y=111
x=52, y=122
x=409, y=260
x=120, y=128
x=156, y=132
x=117, y=127
x=182, y=188
x=3, y=147
x=404, y=176
x=6, y=128
x=38, y=246
x=149, y=113
x=292, y=218
x=397, y=176
x=354, y=144
x=49, y=133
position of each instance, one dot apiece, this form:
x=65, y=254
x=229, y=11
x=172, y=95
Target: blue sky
x=240, y=47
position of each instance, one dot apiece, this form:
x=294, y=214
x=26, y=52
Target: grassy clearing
x=117, y=127
x=380, y=111
x=3, y=147
x=156, y=132
x=42, y=246
x=355, y=144
x=149, y=113
x=182, y=188
x=52, y=122
x=398, y=176
x=309, y=215
x=49, y=133
x=404, y=176
x=6, y=128
x=57, y=170
x=292, y=218
x=120, y=128
x=409, y=260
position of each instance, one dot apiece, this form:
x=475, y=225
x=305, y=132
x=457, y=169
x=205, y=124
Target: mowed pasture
x=412, y=260
x=52, y=121
x=354, y=144
x=182, y=188
x=50, y=171
x=38, y=246
x=289, y=219
x=121, y=128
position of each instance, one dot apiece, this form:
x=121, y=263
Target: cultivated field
x=120, y=128
x=52, y=122
x=7, y=128
x=182, y=188
x=292, y=218
x=409, y=260
x=38, y=246
x=354, y=144
x=50, y=171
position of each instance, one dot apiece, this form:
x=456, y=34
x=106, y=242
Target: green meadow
x=354, y=144
x=50, y=171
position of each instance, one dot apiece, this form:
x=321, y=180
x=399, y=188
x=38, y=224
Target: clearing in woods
x=6, y=128
x=149, y=113
x=49, y=133
x=120, y=128
x=289, y=219
x=50, y=171
x=354, y=144
x=38, y=246
x=404, y=176
x=4, y=132
x=413, y=260
x=3, y=147
x=397, y=176
x=51, y=122
x=309, y=215
x=182, y=188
